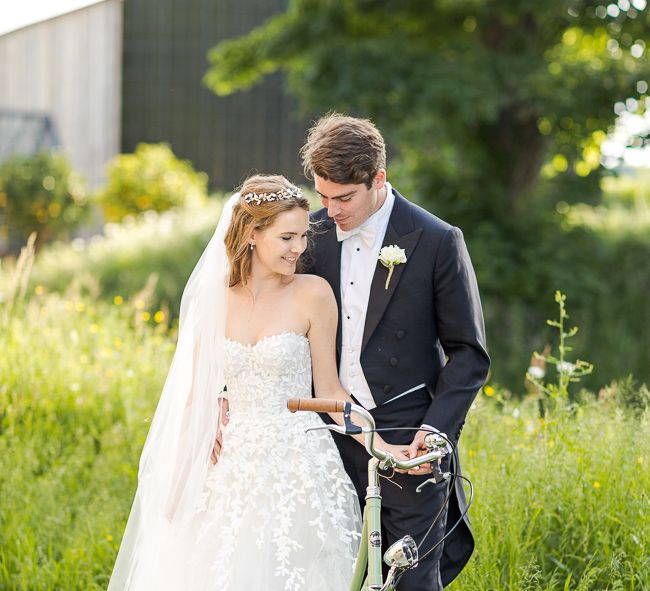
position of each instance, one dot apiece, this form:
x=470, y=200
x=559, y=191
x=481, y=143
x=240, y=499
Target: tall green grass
x=562, y=503
x=78, y=385
x=559, y=505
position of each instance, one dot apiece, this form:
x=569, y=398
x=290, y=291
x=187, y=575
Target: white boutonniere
x=389, y=256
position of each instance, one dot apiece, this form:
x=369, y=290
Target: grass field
x=560, y=504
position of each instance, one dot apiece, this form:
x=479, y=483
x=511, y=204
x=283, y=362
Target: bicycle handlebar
x=333, y=406
x=315, y=404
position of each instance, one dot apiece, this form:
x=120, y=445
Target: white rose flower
x=389, y=256
x=392, y=255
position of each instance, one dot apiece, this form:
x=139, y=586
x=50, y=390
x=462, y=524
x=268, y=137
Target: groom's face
x=351, y=205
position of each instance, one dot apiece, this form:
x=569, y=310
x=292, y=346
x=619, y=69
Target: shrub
x=39, y=193
x=152, y=178
x=121, y=261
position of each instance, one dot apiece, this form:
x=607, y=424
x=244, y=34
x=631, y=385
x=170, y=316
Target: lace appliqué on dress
x=278, y=510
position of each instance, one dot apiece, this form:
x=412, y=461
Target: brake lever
x=437, y=476
x=348, y=428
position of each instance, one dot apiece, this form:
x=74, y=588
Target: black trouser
x=403, y=511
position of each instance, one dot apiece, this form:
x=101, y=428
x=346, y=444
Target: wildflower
x=109, y=537
x=39, y=290
x=536, y=372
x=118, y=300
x=566, y=367
x=159, y=316
x=145, y=316
x=488, y=391
x=596, y=484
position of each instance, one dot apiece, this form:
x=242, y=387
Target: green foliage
x=590, y=252
x=164, y=247
x=560, y=503
x=475, y=96
x=151, y=178
x=567, y=372
x=40, y=193
x=495, y=113
x=627, y=394
x=597, y=256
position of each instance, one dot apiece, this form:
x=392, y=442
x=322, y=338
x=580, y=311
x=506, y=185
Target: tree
x=480, y=98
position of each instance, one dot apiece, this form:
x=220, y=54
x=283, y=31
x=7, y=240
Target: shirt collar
x=383, y=213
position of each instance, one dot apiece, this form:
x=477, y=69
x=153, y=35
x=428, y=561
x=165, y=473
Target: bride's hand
x=218, y=441
x=216, y=450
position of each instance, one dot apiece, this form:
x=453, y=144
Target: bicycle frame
x=402, y=554
x=370, y=547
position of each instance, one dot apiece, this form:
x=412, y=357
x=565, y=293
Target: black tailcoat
x=426, y=328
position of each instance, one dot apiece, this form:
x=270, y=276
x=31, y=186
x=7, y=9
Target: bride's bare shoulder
x=313, y=288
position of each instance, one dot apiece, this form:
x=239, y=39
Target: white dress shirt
x=359, y=256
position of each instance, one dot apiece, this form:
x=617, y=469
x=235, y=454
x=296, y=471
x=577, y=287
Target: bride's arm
x=323, y=319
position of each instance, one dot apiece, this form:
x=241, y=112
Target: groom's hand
x=418, y=448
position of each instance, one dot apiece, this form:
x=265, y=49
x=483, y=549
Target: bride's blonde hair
x=262, y=199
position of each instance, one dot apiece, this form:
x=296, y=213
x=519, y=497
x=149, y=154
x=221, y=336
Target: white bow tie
x=366, y=233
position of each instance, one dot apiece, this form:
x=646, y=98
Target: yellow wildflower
x=596, y=484
x=39, y=290
x=488, y=391
x=118, y=300
x=159, y=316
x=146, y=316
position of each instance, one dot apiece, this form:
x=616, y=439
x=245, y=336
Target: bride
x=232, y=494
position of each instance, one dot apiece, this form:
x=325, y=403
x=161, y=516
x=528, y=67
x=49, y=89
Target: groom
x=410, y=343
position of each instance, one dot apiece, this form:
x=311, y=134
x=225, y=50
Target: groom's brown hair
x=344, y=150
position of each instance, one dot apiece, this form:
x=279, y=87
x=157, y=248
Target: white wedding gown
x=279, y=513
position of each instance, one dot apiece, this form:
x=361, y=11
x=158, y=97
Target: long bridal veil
x=176, y=454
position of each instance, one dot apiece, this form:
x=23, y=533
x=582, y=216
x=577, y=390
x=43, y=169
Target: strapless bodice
x=262, y=376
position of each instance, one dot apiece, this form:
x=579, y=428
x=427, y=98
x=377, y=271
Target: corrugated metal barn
x=102, y=76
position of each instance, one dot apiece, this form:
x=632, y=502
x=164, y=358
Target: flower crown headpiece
x=280, y=195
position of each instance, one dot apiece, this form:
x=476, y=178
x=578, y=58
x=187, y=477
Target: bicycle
x=403, y=554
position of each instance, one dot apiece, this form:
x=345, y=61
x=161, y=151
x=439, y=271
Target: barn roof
x=16, y=15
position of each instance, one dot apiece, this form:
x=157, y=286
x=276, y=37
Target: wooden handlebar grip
x=315, y=404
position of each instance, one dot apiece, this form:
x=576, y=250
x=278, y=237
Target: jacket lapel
x=330, y=268
x=400, y=232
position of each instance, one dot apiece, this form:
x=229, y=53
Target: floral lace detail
x=279, y=512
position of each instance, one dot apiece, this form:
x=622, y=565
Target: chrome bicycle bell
x=402, y=554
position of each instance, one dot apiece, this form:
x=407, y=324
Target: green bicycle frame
x=370, y=546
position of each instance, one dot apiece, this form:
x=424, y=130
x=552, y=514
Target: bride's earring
x=252, y=246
